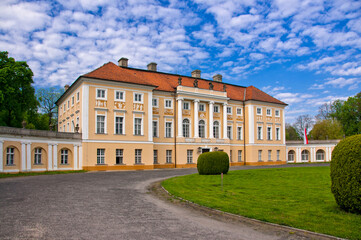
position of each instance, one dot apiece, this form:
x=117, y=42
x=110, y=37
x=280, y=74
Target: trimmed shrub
x=346, y=174
x=213, y=163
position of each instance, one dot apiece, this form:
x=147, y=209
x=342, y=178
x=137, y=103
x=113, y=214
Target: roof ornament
x=224, y=87
x=195, y=83
x=211, y=86
x=179, y=81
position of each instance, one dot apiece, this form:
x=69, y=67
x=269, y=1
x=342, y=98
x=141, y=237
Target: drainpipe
x=244, y=125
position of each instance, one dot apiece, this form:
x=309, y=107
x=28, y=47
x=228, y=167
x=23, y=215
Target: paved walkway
x=107, y=205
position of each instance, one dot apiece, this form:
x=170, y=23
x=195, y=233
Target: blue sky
x=303, y=52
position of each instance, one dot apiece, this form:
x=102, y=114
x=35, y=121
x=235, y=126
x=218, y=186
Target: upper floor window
x=138, y=97
x=186, y=106
x=259, y=111
x=239, y=133
x=216, y=108
x=202, y=127
x=68, y=104
x=10, y=156
x=269, y=112
x=37, y=156
x=168, y=129
x=277, y=113
x=64, y=156
x=185, y=128
x=269, y=133
x=229, y=132
x=137, y=126
x=239, y=111
x=100, y=124
x=259, y=133
x=77, y=96
x=229, y=110
x=216, y=129
x=101, y=94
x=155, y=102
x=278, y=136
x=119, y=96
x=119, y=125
x=72, y=100
x=168, y=103
x=155, y=128
x=202, y=107
x=64, y=107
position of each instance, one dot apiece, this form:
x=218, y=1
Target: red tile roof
x=168, y=82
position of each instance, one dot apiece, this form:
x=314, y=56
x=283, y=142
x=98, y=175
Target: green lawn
x=24, y=174
x=298, y=197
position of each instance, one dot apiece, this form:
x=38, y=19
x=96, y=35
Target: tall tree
x=348, y=113
x=327, y=129
x=47, y=98
x=325, y=111
x=291, y=133
x=302, y=122
x=16, y=92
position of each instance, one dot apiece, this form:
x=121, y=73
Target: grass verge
x=296, y=197
x=24, y=174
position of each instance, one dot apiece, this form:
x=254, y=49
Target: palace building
x=144, y=119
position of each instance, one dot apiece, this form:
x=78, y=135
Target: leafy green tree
x=326, y=129
x=291, y=133
x=348, y=113
x=16, y=93
x=47, y=98
x=36, y=120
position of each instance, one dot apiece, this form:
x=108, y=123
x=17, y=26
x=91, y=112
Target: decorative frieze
x=101, y=103
x=168, y=112
x=186, y=112
x=155, y=110
x=119, y=105
x=138, y=107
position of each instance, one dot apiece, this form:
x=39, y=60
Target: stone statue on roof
x=179, y=81
x=195, y=83
x=211, y=86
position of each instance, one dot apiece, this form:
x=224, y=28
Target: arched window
x=304, y=155
x=291, y=156
x=320, y=155
x=37, y=156
x=201, y=128
x=10, y=156
x=185, y=128
x=216, y=129
x=64, y=156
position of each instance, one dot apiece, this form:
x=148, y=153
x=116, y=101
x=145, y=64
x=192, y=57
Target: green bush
x=346, y=174
x=212, y=163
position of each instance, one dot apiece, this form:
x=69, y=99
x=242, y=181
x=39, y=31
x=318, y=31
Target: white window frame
x=239, y=133
x=72, y=126
x=239, y=114
x=137, y=100
x=100, y=156
x=239, y=155
x=216, y=134
x=278, y=154
x=168, y=156
x=105, y=94
x=203, y=106
x=156, y=133
x=204, y=130
x=279, y=113
x=189, y=156
x=260, y=136
x=269, y=135
x=259, y=155
x=186, y=105
x=68, y=104
x=291, y=153
x=322, y=154
x=116, y=93
x=119, y=154
x=77, y=96
x=155, y=100
x=10, y=156
x=141, y=126
x=138, y=156
x=216, y=107
x=37, y=156
x=270, y=112
x=64, y=156
x=105, y=122
x=115, y=125
x=229, y=110
x=269, y=155
x=171, y=103
x=278, y=133
x=260, y=111
x=230, y=132
x=72, y=100
x=171, y=129
x=155, y=156
x=189, y=128
x=308, y=155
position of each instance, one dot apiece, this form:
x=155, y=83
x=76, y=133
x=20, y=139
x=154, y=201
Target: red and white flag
x=305, y=140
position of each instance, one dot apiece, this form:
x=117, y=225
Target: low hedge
x=346, y=174
x=213, y=163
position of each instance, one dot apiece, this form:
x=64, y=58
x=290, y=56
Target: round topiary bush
x=346, y=174
x=212, y=163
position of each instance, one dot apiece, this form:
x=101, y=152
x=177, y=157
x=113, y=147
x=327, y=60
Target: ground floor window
x=278, y=155
x=138, y=156
x=10, y=156
x=304, y=155
x=239, y=155
x=269, y=155
x=259, y=155
x=189, y=156
x=155, y=156
x=100, y=155
x=64, y=156
x=37, y=156
x=291, y=156
x=169, y=156
x=320, y=155
x=119, y=156
x=230, y=156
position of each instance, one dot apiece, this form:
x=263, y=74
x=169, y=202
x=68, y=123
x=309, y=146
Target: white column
x=50, y=157
x=80, y=158
x=250, y=123
x=85, y=112
x=225, y=120
x=283, y=127
x=196, y=107
x=23, y=157
x=75, y=165
x=28, y=156
x=55, y=156
x=211, y=119
x=150, y=116
x=1, y=155
x=299, y=159
x=330, y=153
x=327, y=159
x=180, y=117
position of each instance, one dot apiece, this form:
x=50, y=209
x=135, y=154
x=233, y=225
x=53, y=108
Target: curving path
x=108, y=205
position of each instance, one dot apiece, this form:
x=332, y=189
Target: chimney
x=66, y=87
x=123, y=62
x=196, y=73
x=152, y=67
x=217, y=78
